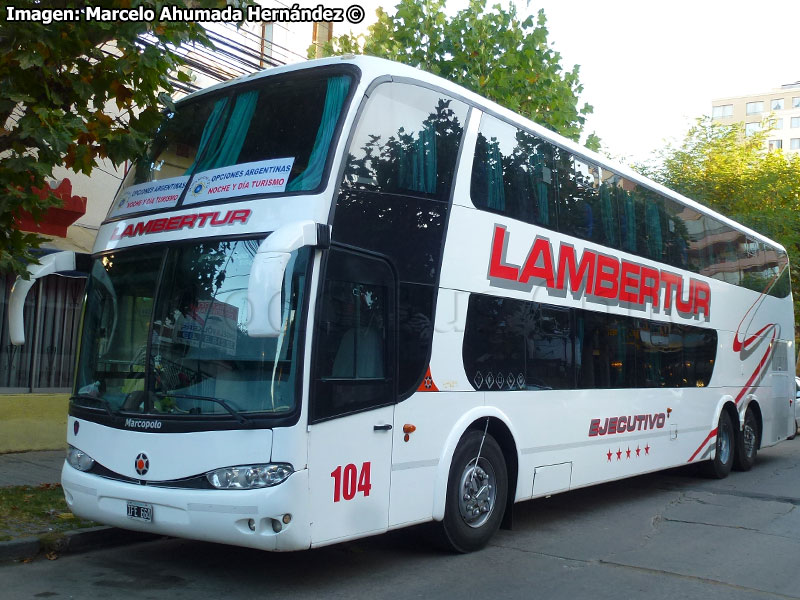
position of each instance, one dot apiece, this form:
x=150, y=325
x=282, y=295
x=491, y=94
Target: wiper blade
x=112, y=412
x=236, y=414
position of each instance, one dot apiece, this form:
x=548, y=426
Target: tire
x=747, y=442
x=476, y=500
x=719, y=466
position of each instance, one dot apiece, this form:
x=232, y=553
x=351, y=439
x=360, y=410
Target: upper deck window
x=271, y=136
x=406, y=142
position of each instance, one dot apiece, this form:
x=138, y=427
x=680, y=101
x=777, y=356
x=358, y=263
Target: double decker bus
x=347, y=296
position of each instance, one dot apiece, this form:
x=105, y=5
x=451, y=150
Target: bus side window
x=355, y=337
x=512, y=174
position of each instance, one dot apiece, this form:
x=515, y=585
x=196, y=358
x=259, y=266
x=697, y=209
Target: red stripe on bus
x=758, y=370
x=705, y=441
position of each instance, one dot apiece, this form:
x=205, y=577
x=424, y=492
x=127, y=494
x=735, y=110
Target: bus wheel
x=476, y=493
x=747, y=443
x=721, y=464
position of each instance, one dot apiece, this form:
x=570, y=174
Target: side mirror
x=268, y=272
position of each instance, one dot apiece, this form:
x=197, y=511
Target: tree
x=73, y=93
x=721, y=167
x=492, y=52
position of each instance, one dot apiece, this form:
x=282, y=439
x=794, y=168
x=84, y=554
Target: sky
x=650, y=68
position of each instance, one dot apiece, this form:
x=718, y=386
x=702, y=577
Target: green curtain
x=607, y=216
x=227, y=151
x=654, y=239
x=425, y=163
x=541, y=188
x=211, y=133
x=418, y=162
x=629, y=221
x=334, y=100
x=496, y=192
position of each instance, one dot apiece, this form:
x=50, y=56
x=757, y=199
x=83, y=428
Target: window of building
x=796, y=102
x=777, y=124
x=776, y=104
x=754, y=108
x=725, y=110
x=751, y=128
x=775, y=144
x=794, y=144
x=795, y=122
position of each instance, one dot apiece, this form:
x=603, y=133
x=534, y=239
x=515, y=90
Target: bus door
x=353, y=394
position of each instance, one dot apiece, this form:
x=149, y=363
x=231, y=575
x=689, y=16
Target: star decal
x=609, y=456
x=647, y=449
x=619, y=454
x=638, y=450
x=628, y=452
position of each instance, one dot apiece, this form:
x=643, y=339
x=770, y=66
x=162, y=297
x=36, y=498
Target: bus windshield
x=269, y=136
x=165, y=333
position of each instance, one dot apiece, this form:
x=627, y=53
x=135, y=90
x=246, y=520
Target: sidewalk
x=37, y=468
x=31, y=468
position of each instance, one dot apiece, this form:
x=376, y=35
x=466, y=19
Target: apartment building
x=781, y=106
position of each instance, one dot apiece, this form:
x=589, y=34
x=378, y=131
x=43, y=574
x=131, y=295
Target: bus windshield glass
x=269, y=136
x=165, y=333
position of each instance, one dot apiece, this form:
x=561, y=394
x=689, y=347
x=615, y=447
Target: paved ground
x=31, y=468
x=664, y=536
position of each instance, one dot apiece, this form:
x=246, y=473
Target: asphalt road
x=667, y=535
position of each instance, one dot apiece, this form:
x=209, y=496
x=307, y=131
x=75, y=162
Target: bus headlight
x=78, y=459
x=248, y=477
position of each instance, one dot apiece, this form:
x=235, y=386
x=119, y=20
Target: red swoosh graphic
x=710, y=436
x=738, y=346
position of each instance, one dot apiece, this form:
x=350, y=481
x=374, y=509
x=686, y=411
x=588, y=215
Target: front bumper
x=222, y=516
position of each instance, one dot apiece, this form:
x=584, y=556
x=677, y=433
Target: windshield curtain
x=279, y=131
x=165, y=333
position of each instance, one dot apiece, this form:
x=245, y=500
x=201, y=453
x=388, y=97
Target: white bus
x=347, y=296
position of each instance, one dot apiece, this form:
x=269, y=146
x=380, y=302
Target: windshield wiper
x=236, y=414
x=112, y=412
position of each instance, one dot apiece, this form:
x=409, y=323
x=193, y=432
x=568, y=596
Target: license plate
x=140, y=511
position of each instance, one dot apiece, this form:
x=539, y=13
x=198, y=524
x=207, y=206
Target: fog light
x=276, y=526
x=251, y=524
x=78, y=459
x=287, y=518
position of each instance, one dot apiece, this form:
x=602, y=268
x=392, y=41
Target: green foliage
x=722, y=168
x=74, y=93
x=493, y=52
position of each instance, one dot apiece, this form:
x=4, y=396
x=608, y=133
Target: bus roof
x=372, y=68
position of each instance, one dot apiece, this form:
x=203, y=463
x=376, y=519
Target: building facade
x=781, y=107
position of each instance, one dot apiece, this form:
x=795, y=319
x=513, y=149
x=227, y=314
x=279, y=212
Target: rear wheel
x=477, y=489
x=747, y=441
x=721, y=464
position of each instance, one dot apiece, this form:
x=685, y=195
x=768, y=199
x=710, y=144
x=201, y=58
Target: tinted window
x=406, y=142
x=517, y=174
x=512, y=174
x=514, y=344
x=354, y=337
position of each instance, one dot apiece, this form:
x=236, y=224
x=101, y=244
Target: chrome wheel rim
x=749, y=435
x=724, y=445
x=478, y=493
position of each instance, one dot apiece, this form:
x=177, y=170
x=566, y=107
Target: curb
x=71, y=542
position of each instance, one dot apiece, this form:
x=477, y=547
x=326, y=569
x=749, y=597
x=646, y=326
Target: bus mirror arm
x=269, y=269
x=48, y=264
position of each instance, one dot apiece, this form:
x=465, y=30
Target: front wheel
x=477, y=490
x=747, y=442
x=719, y=466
